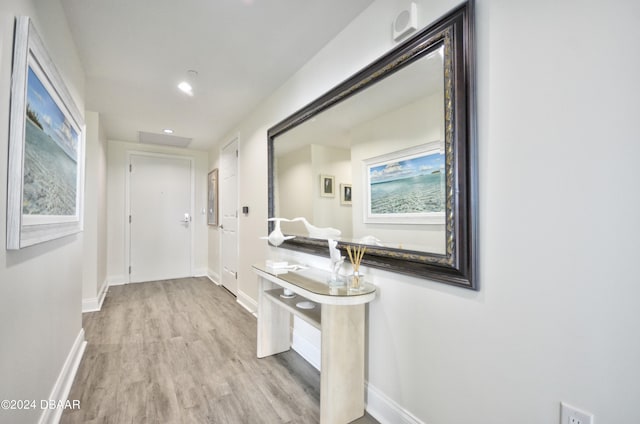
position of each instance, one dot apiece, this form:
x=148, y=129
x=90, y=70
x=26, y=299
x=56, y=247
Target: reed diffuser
x=355, y=256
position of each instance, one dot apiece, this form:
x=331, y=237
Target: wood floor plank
x=183, y=351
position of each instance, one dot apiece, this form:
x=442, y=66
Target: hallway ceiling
x=136, y=52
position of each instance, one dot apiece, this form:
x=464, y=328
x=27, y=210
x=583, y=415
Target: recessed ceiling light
x=185, y=87
x=167, y=131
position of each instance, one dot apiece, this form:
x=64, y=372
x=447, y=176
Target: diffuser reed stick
x=355, y=257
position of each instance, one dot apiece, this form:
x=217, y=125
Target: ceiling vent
x=163, y=139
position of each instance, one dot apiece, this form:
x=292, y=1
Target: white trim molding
x=94, y=304
x=200, y=272
x=213, y=276
x=385, y=409
x=247, y=302
x=117, y=280
x=62, y=387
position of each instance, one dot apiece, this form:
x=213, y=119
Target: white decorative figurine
x=371, y=240
x=319, y=232
x=276, y=237
x=336, y=262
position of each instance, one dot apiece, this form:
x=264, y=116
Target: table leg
x=274, y=324
x=342, y=375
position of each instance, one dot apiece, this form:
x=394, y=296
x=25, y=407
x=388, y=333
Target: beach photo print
x=407, y=186
x=46, y=148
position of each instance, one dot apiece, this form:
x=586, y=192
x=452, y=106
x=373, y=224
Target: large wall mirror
x=387, y=158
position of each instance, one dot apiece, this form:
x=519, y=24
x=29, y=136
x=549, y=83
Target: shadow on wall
x=17, y=257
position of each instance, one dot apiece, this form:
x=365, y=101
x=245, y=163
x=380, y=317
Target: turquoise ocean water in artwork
x=50, y=155
x=49, y=176
x=417, y=194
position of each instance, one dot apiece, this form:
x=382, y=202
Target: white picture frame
x=212, y=198
x=45, y=190
x=392, y=180
x=345, y=194
x=327, y=185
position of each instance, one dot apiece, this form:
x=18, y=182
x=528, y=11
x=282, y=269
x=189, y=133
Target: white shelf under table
x=311, y=316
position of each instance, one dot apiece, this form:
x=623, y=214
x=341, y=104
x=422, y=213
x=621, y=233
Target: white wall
x=556, y=317
x=297, y=189
x=117, y=168
x=40, y=286
x=294, y=176
x=94, y=262
x=327, y=211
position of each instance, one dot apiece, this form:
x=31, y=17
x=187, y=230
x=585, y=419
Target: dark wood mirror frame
x=458, y=266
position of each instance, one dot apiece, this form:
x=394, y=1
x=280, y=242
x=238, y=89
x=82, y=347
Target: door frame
x=235, y=139
x=127, y=207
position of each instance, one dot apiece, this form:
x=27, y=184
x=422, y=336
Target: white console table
x=338, y=314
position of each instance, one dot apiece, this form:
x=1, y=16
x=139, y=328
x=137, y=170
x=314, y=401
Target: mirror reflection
x=372, y=166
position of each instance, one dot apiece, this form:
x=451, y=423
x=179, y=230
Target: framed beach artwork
x=46, y=148
x=212, y=198
x=345, y=194
x=406, y=186
x=327, y=186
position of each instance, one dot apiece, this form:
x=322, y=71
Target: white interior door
x=160, y=217
x=229, y=221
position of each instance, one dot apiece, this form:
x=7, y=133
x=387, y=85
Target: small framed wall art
x=212, y=198
x=345, y=194
x=327, y=186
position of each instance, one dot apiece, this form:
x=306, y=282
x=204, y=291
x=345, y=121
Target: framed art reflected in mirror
x=345, y=194
x=212, y=198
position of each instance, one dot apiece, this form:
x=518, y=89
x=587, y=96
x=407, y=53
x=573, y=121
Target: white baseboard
x=117, y=280
x=200, y=272
x=103, y=294
x=90, y=305
x=247, y=302
x=213, y=276
x=386, y=410
x=62, y=387
x=94, y=304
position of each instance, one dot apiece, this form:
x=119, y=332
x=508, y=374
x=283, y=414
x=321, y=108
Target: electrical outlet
x=573, y=415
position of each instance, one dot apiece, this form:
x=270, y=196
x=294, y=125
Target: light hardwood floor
x=183, y=351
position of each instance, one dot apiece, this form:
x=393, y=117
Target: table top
x=313, y=283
